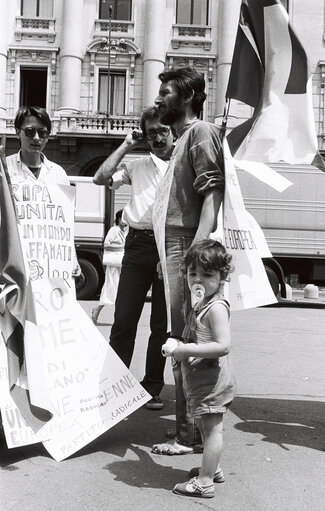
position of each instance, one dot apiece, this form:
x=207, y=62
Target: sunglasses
x=31, y=132
x=163, y=132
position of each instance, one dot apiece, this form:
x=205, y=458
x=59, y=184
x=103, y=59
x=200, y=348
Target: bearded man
x=196, y=194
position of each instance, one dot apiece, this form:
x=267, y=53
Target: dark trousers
x=138, y=273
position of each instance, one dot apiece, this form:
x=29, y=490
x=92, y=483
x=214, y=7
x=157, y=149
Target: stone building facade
x=95, y=69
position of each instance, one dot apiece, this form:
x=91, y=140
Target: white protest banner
x=259, y=238
x=46, y=218
x=73, y=372
x=249, y=285
x=159, y=214
x=69, y=368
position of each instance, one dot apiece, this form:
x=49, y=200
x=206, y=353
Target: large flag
x=269, y=72
x=17, y=303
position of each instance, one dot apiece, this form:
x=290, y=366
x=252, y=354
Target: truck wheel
x=273, y=279
x=87, y=282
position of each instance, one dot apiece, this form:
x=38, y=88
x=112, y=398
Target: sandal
x=172, y=447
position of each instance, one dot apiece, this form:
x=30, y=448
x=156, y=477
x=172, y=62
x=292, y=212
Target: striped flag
x=269, y=72
x=17, y=296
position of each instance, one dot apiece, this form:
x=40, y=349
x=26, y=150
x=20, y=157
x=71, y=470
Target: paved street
x=274, y=438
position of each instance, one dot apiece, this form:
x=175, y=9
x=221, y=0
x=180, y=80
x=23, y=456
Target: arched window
x=121, y=9
x=36, y=8
x=192, y=12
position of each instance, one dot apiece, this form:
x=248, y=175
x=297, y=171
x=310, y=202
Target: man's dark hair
x=187, y=80
x=36, y=111
x=150, y=114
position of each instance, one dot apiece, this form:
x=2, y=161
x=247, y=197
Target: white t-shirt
x=144, y=177
x=50, y=172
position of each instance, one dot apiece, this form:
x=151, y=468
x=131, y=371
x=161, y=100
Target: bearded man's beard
x=170, y=116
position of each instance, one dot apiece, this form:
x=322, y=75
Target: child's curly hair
x=210, y=255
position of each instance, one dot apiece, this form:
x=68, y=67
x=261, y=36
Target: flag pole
x=224, y=119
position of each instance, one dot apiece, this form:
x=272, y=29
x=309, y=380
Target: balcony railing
x=191, y=35
x=95, y=124
x=34, y=27
x=120, y=29
x=84, y=124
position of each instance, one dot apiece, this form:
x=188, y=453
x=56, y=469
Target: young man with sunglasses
x=139, y=265
x=33, y=128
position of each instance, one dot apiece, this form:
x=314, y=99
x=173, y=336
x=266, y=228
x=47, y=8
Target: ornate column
x=71, y=56
x=4, y=13
x=227, y=29
x=155, y=46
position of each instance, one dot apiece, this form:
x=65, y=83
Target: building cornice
x=199, y=61
x=118, y=47
x=33, y=55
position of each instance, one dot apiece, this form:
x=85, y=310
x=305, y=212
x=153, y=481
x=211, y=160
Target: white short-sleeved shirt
x=50, y=172
x=144, y=177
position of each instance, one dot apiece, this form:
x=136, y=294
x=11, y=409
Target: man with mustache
x=196, y=194
x=139, y=264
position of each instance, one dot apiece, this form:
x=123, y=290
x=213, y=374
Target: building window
x=116, y=98
x=33, y=85
x=192, y=12
x=36, y=8
x=121, y=9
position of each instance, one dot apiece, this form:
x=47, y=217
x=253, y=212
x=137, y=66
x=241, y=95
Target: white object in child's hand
x=169, y=347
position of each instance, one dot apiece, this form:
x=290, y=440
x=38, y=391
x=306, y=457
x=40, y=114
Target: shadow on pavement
x=144, y=472
x=283, y=422
x=8, y=457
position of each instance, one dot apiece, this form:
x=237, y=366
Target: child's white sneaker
x=194, y=489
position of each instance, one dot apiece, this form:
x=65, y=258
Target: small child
x=207, y=380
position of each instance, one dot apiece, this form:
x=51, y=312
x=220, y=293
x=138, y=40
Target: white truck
x=95, y=208
x=292, y=221
x=93, y=212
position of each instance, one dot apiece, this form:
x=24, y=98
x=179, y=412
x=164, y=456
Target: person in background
x=139, y=264
x=208, y=382
x=114, y=250
x=195, y=197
